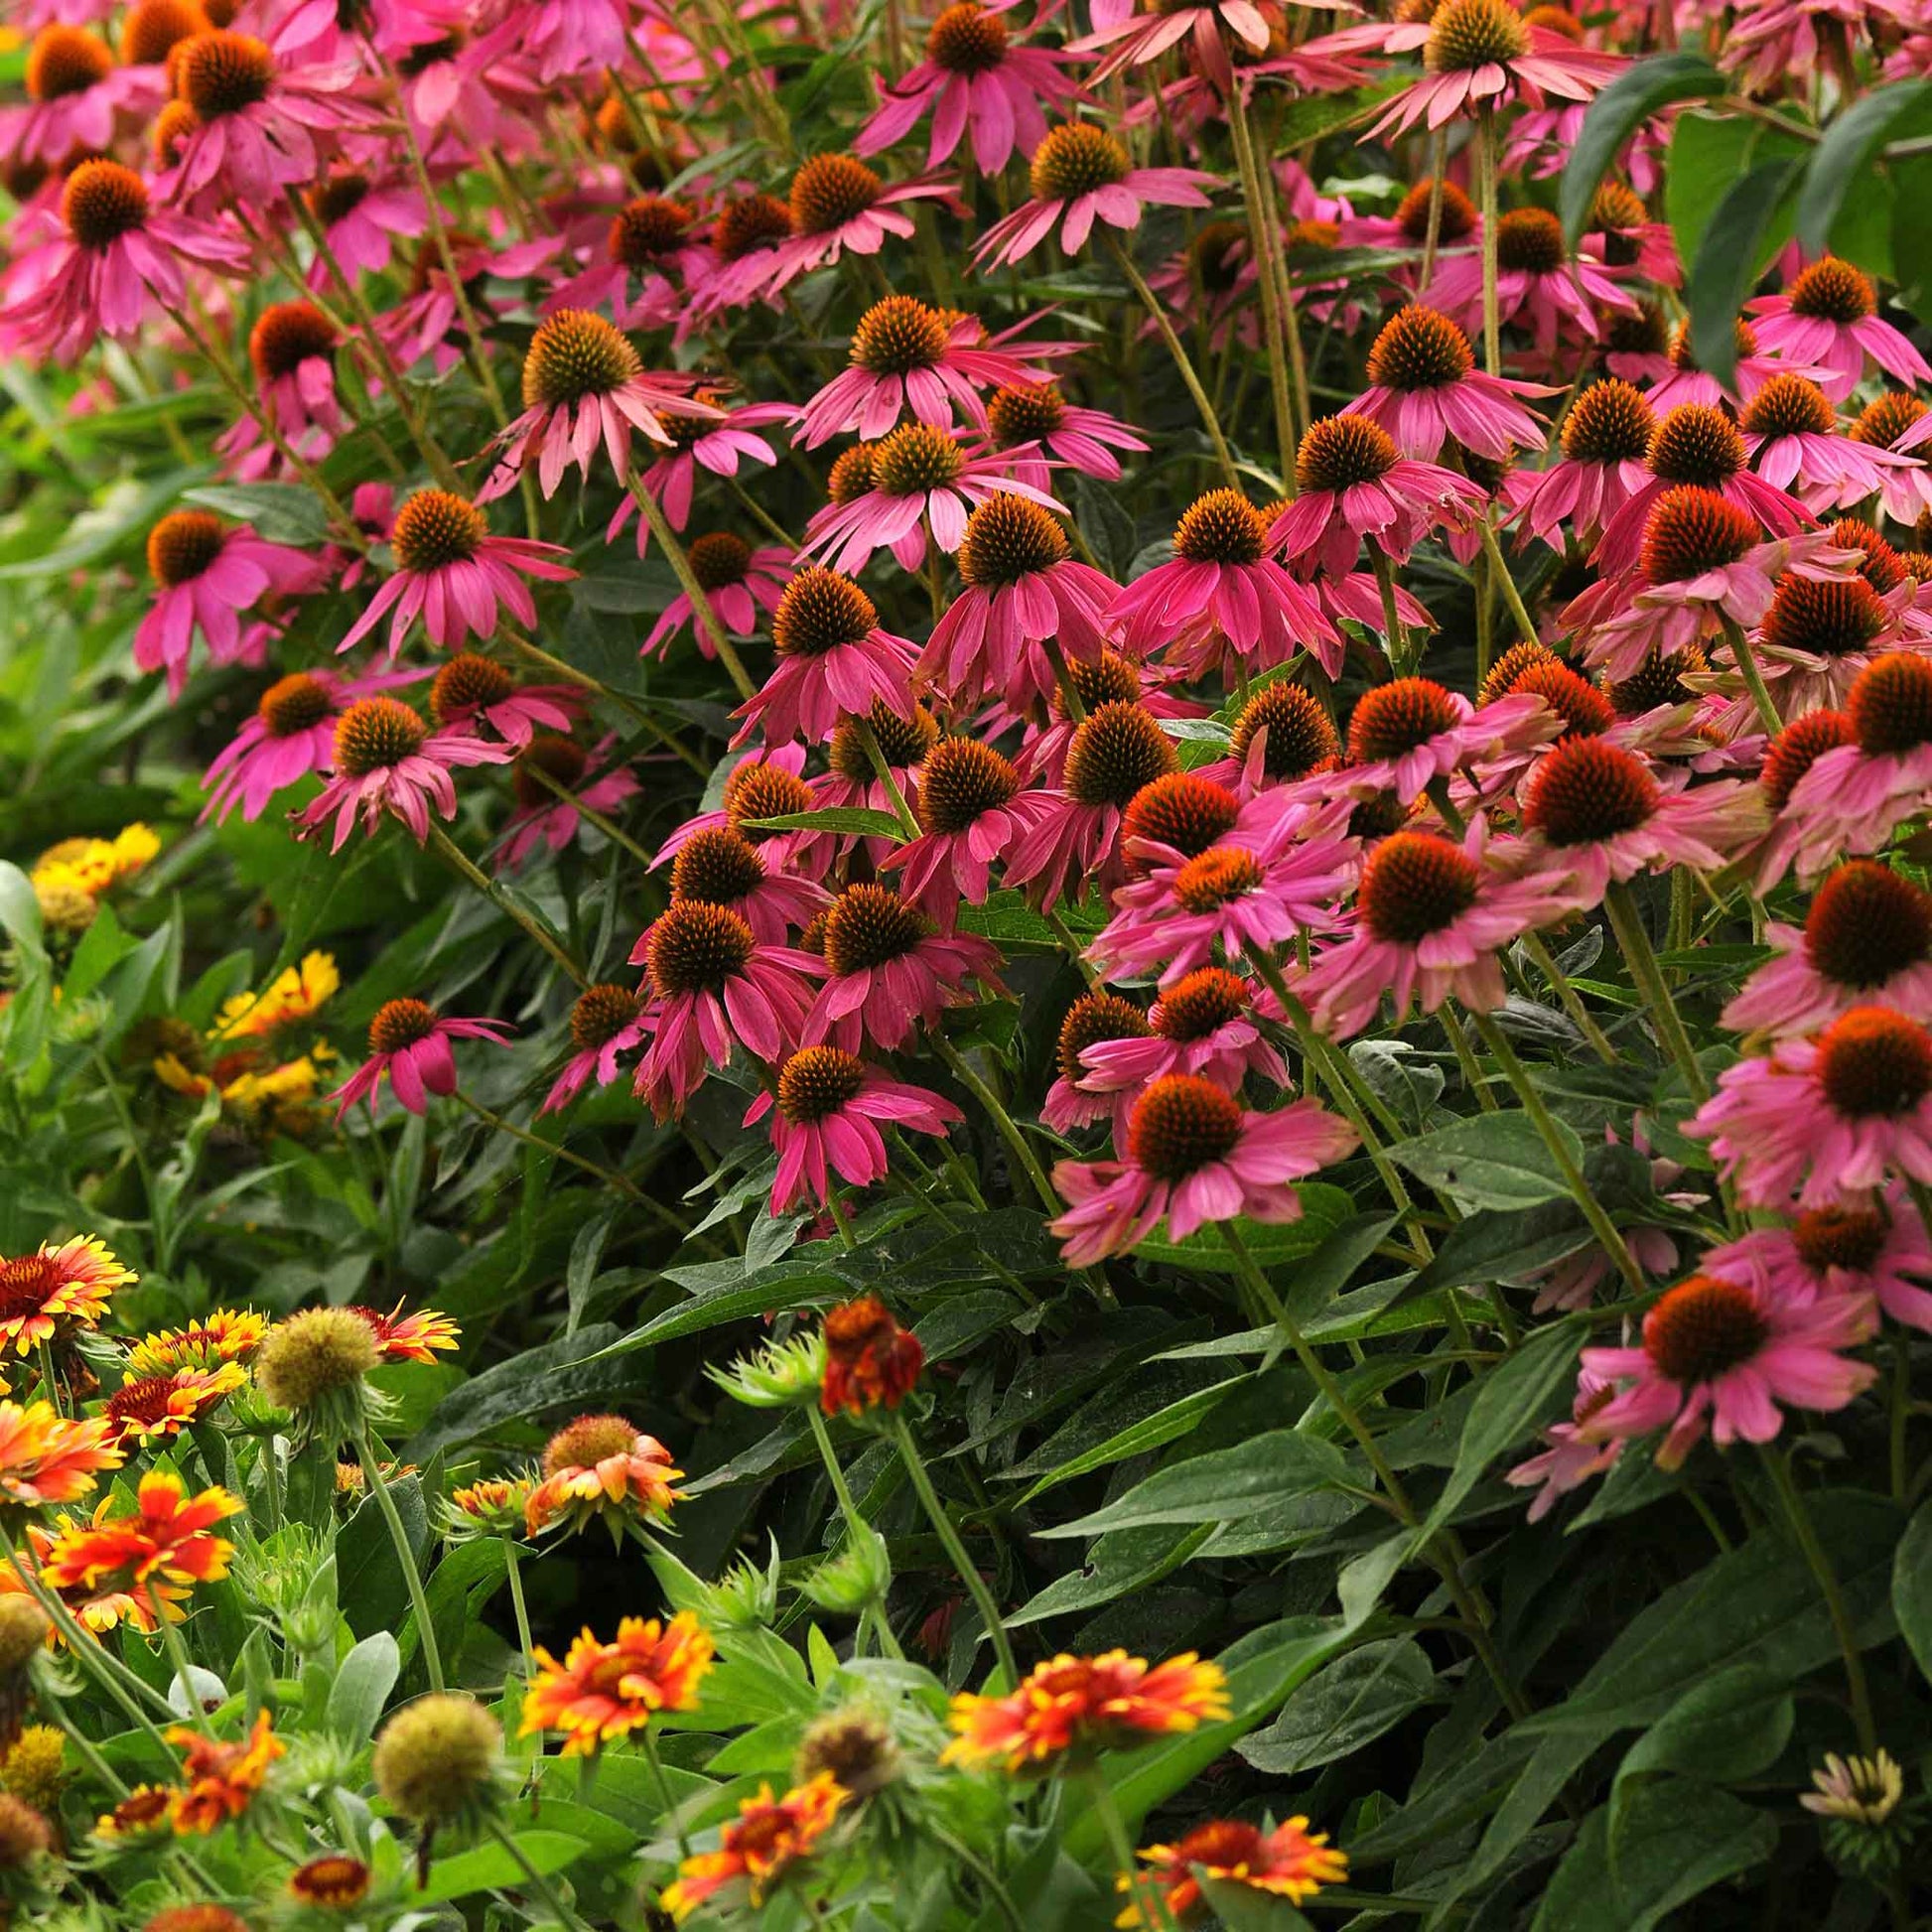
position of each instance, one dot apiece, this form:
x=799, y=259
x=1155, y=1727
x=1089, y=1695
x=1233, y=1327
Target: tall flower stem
x=1572, y=1001
x=1432, y=233
x=1601, y=1224
x=1627, y=922
x=589, y=813
x=875, y=752
x=1277, y=311
x=552, y=1899
x=1008, y=1130
x=664, y=1793
x=172, y=1642
x=854, y=1520
x=460, y=863
x=514, y=1571
x=1483, y=157
x=412, y=1574
x=702, y=610
x=1819, y=1564
x=1193, y=383
x=561, y=667
x=1139, y=1886
x=1748, y=668
x=989, y=1612
x=1504, y=582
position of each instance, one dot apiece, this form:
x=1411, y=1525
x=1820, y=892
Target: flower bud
x=437, y=1760
x=858, y=1575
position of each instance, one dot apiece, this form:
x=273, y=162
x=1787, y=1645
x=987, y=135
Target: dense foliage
x=965, y=973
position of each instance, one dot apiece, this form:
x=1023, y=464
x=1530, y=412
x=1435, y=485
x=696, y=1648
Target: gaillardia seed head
x=313, y=1356
x=437, y=1760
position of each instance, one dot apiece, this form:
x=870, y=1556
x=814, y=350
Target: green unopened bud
x=780, y=1376
x=437, y=1760
x=744, y=1597
x=860, y=1574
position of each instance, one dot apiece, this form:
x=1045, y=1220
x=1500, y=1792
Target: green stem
x=538, y=1883
x=513, y=1571
x=664, y=1794
x=980, y=1870
x=175, y=1645
x=1433, y=234
x=1139, y=1886
x=989, y=1612
x=875, y=752
x=1601, y=1224
x=466, y=869
x=1627, y=922
x=1392, y=625
x=1545, y=962
x=1165, y=329
x=1830, y=1590
x=702, y=610
x=1002, y=1120
x=589, y=813
x=1483, y=143
x=1504, y=582
x=1741, y=650
x=412, y=1576
x=1264, y=234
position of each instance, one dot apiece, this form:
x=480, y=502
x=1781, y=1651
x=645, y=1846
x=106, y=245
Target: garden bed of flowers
x=965, y=973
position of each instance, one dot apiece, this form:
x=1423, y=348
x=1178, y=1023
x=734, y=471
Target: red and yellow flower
x=226, y=1336
x=166, y=1539
x=46, y=1459
x=870, y=1360
x=97, y=1611
x=602, y=1465
x=295, y=993
x=410, y=1338
x=55, y=1290
x=335, y=1881
x=1085, y=1704
x=1290, y=1862
x=769, y=1837
x=219, y=1780
x=604, y=1690
x=494, y=1506
x=154, y=1406
x=143, y=1810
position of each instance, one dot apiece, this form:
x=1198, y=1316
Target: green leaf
x=1911, y=1586
x=1681, y=1840
x=1241, y=1909
x=1344, y=1705
x=1490, y=1160
x=1271, y=1243
x=1728, y=1729
x=859, y=820
x=1745, y=232
x=1165, y=1424
x=364, y=1680
x=1616, y=114
x=1847, y=154
x=1227, y=1482
x=1512, y=1402
x=489, y=1868
x=1708, y=153
x=277, y=513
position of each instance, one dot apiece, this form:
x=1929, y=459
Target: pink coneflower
x=362, y=218
x=606, y=1019
x=1866, y=940
x=1596, y=813
x=1570, y=1461
x=1082, y=175
x=920, y=479
x=471, y=691
x=642, y=258
x=1432, y=920
x=1821, y=632
x=712, y=985
x=427, y=320
x=1222, y=879
x=1203, y=1023
x=1829, y=318
x=837, y=204
x=852, y=778
x=717, y=442
x=205, y=577
x=1035, y=416
x=1605, y=438
x=1856, y=791
x=1194, y=1155
x=1721, y=1354
x=1406, y=735
x=1699, y=562
x=386, y=761
x=830, y=1108
x=1537, y=286
x=452, y=573
x=116, y=257
x=584, y=385
x=1901, y=424
x=1136, y=38
x=1426, y=390
x=542, y=818
x=1828, y=1119
x=1027, y=610
x=970, y=812
x=1072, y=836
x=290, y=734
x=255, y=120
x=1679, y=380
x=1222, y=594
x=832, y=661
x=1877, y=1249
x=738, y=581
x=78, y=100
x=1619, y=231
x=1279, y=735
x=1480, y=54
x=1783, y=43
x=907, y=356
x=292, y=350
x=410, y=1043
x=1791, y=436
x=974, y=80
x=719, y=865
x=1092, y=1017
x=1353, y=482
x=760, y=785
x=888, y=968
